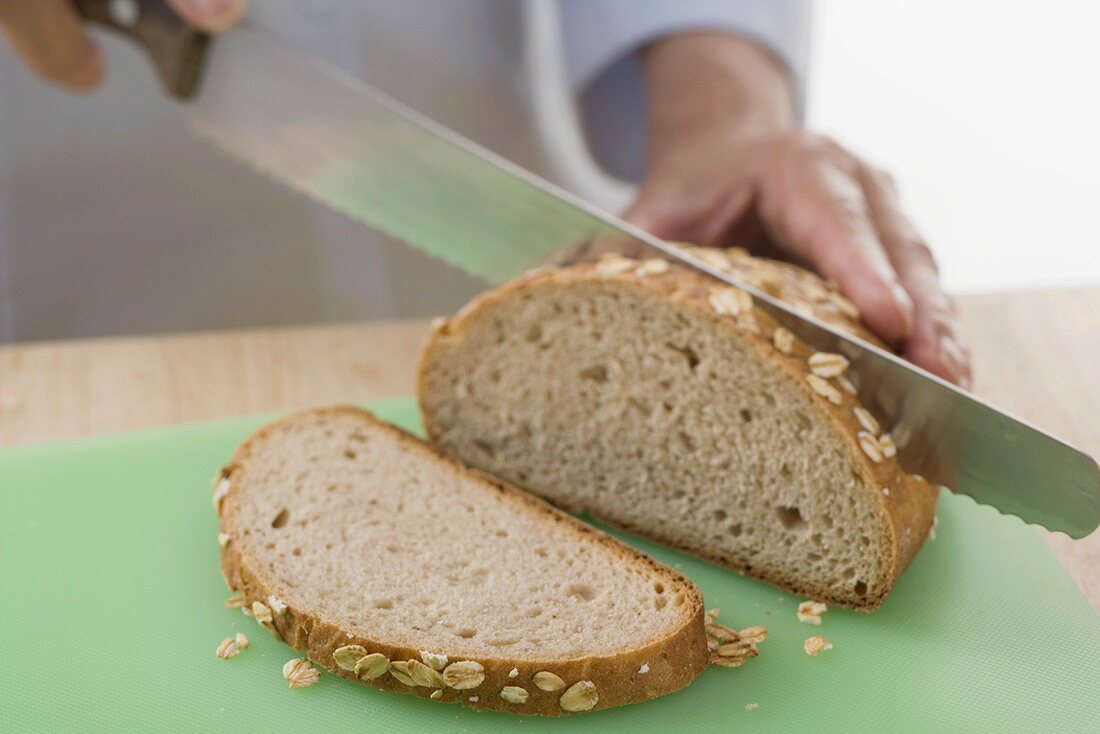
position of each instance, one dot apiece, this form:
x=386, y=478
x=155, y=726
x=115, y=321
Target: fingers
x=666, y=214
x=670, y=211
x=816, y=208
x=212, y=16
x=50, y=38
x=823, y=205
x=935, y=343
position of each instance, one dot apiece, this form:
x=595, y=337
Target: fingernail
x=952, y=358
x=216, y=12
x=904, y=304
x=88, y=72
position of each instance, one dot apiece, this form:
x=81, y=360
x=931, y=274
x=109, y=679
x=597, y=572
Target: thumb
x=649, y=213
x=212, y=16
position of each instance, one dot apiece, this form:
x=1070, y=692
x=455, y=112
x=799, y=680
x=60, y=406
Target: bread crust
x=907, y=510
x=674, y=660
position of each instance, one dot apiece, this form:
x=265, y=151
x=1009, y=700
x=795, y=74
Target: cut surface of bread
x=354, y=533
x=661, y=401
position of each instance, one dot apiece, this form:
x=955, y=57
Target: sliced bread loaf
x=664, y=402
x=350, y=538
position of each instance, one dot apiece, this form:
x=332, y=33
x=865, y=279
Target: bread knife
x=347, y=145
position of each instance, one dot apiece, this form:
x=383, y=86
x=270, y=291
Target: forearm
x=717, y=85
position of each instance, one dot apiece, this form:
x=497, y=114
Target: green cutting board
x=111, y=607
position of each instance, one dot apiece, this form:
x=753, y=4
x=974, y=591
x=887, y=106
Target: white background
x=988, y=114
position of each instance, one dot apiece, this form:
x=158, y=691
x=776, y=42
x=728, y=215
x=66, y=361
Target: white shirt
x=114, y=220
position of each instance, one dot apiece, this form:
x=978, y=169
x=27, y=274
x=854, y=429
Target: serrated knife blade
x=360, y=152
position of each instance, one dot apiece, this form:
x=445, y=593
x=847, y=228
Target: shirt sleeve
x=601, y=39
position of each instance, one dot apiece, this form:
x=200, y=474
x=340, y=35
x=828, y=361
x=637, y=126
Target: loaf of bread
x=390, y=564
x=663, y=402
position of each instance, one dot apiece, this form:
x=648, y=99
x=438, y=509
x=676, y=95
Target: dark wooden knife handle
x=175, y=48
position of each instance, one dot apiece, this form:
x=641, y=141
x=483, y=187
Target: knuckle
x=803, y=138
x=820, y=144
x=805, y=142
x=840, y=211
x=940, y=316
x=836, y=246
x=831, y=145
x=953, y=307
x=907, y=243
x=803, y=147
x=883, y=178
x=919, y=249
x=937, y=312
x=844, y=215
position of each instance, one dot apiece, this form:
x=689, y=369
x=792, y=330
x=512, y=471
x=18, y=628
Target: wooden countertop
x=1037, y=354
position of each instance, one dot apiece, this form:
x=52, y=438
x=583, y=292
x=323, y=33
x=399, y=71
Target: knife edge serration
x=349, y=147
x=257, y=166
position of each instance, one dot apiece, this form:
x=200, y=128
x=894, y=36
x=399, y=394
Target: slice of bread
x=662, y=401
x=347, y=532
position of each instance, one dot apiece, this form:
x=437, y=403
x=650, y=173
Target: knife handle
x=175, y=48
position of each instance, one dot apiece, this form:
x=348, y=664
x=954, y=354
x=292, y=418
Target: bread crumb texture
x=671, y=406
x=392, y=565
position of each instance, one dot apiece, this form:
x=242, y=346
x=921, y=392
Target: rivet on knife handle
x=175, y=48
